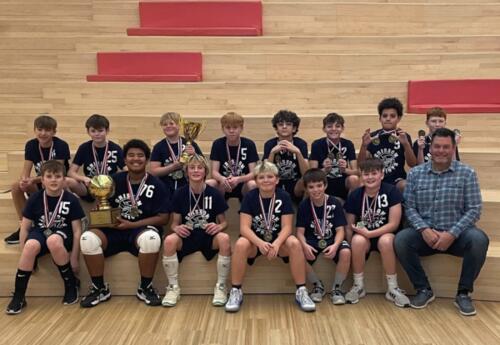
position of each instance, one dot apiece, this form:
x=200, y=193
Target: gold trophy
x=191, y=131
x=102, y=187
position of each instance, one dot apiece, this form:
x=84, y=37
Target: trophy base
x=104, y=218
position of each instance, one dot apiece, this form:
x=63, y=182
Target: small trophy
x=102, y=187
x=191, y=131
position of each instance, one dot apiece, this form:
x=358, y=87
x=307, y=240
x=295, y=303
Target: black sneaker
x=13, y=238
x=96, y=296
x=71, y=293
x=149, y=296
x=464, y=304
x=16, y=305
x=422, y=298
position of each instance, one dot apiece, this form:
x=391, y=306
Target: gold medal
x=393, y=139
x=134, y=211
x=268, y=237
x=360, y=224
x=47, y=232
x=376, y=141
x=322, y=244
x=177, y=175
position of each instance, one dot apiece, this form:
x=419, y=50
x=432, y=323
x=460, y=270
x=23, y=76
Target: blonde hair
x=265, y=167
x=196, y=158
x=175, y=117
x=232, y=119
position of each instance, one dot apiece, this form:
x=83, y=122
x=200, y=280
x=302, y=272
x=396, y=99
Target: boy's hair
x=45, y=122
x=196, y=158
x=286, y=116
x=436, y=112
x=443, y=133
x=371, y=164
x=333, y=118
x=390, y=103
x=173, y=116
x=137, y=144
x=97, y=121
x=52, y=166
x=314, y=175
x=232, y=119
x=264, y=167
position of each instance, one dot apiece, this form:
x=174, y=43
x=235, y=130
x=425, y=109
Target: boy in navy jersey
x=144, y=208
x=320, y=229
x=288, y=152
x=165, y=162
x=390, y=143
x=436, y=118
x=266, y=217
x=233, y=159
x=198, y=224
x=373, y=214
x=51, y=224
x=97, y=156
x=336, y=157
x=45, y=146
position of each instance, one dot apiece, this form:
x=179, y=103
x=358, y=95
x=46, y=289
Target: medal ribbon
x=268, y=220
x=134, y=198
x=233, y=165
x=51, y=151
x=368, y=210
x=196, y=200
x=175, y=158
x=332, y=144
x=101, y=167
x=49, y=222
x=320, y=228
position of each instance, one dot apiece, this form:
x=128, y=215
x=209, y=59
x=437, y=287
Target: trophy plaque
x=102, y=187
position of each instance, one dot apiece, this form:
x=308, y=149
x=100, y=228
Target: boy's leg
x=352, y=182
x=343, y=263
x=222, y=243
x=75, y=186
x=171, y=245
x=148, y=241
x=318, y=291
x=401, y=184
x=248, y=186
x=360, y=246
x=298, y=189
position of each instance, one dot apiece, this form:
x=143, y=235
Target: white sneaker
x=172, y=296
x=355, y=294
x=220, y=295
x=317, y=293
x=235, y=300
x=398, y=297
x=337, y=297
x=303, y=300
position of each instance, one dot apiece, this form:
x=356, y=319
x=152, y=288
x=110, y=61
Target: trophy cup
x=102, y=187
x=191, y=131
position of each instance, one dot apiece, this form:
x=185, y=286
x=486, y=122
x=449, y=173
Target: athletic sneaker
x=235, y=300
x=13, y=238
x=317, y=293
x=422, y=298
x=398, y=297
x=303, y=300
x=96, y=296
x=338, y=297
x=16, y=305
x=71, y=293
x=149, y=295
x=220, y=295
x=355, y=294
x=464, y=304
x=172, y=296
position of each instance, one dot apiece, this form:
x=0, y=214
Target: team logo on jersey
x=328, y=229
x=197, y=219
x=427, y=157
x=226, y=169
x=287, y=169
x=125, y=206
x=59, y=222
x=93, y=171
x=38, y=165
x=259, y=224
x=378, y=219
x=388, y=156
x=170, y=160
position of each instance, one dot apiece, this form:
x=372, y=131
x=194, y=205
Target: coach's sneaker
x=96, y=296
x=220, y=295
x=71, y=293
x=464, y=304
x=149, y=295
x=16, y=305
x=338, y=297
x=355, y=294
x=318, y=292
x=13, y=238
x=398, y=297
x=422, y=298
x=172, y=296
x=235, y=300
x=303, y=300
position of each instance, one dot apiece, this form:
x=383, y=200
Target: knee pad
x=149, y=242
x=90, y=244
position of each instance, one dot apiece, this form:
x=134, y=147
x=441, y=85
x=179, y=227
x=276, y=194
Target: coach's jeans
x=472, y=245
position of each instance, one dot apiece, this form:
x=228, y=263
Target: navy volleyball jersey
x=392, y=154
x=210, y=205
x=286, y=162
x=320, y=149
x=427, y=154
x=248, y=154
x=153, y=200
x=85, y=157
x=251, y=206
x=334, y=218
x=161, y=154
x=69, y=210
x=388, y=196
x=60, y=151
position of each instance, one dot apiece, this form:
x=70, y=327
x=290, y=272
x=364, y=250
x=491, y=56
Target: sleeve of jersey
x=63, y=153
x=253, y=156
x=156, y=153
x=267, y=149
x=395, y=196
x=28, y=209
x=301, y=214
x=315, y=151
x=120, y=160
x=76, y=211
x=78, y=160
x=177, y=201
x=29, y=151
x=349, y=205
x=162, y=197
x=246, y=204
x=303, y=149
x=220, y=204
x=339, y=215
x=287, y=207
x=215, y=151
x=351, y=152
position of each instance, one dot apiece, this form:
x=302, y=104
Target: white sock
x=223, y=268
x=359, y=279
x=171, y=267
x=392, y=281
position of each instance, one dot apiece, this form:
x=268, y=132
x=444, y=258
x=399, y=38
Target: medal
x=368, y=210
x=101, y=167
x=49, y=222
x=360, y=224
x=200, y=224
x=322, y=244
x=320, y=229
x=268, y=237
x=331, y=154
x=268, y=218
x=134, y=199
x=177, y=175
x=233, y=164
x=47, y=232
x=376, y=141
x=134, y=211
x=51, y=152
x=392, y=139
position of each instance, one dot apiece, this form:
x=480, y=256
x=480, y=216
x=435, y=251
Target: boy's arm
x=215, y=172
x=23, y=233
x=157, y=170
x=158, y=220
x=218, y=226
x=363, y=151
x=246, y=229
x=76, y=225
x=350, y=218
x=410, y=158
x=286, y=230
x=352, y=168
x=73, y=172
x=249, y=176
